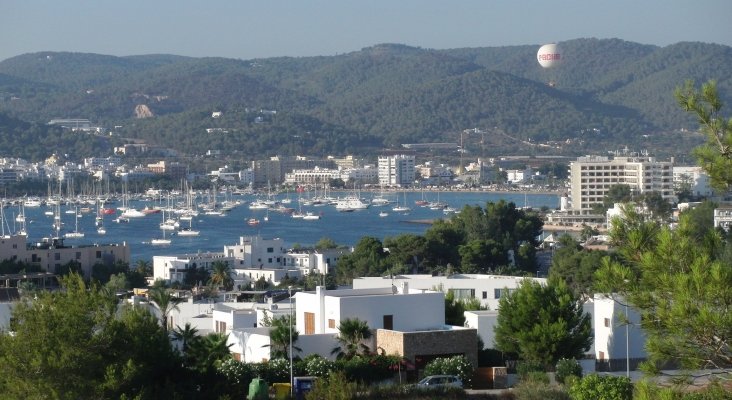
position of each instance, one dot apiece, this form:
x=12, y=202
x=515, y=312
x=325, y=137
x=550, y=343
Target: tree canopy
x=542, y=323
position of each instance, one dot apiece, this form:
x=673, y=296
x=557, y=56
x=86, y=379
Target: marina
x=213, y=230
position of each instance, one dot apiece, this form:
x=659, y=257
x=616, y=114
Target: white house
x=399, y=309
x=487, y=288
x=694, y=178
x=618, y=336
x=410, y=323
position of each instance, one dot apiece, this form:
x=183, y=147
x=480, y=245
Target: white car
x=438, y=381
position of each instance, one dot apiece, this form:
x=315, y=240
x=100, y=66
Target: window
x=78, y=255
x=331, y=323
x=485, y=294
x=99, y=254
x=220, y=326
x=462, y=293
x=57, y=256
x=389, y=322
x=270, y=249
x=607, y=322
x=602, y=356
x=309, y=323
x=496, y=293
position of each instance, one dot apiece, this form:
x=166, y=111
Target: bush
x=333, y=387
x=316, y=365
x=456, y=365
x=534, y=390
x=595, y=387
x=567, y=367
x=524, y=368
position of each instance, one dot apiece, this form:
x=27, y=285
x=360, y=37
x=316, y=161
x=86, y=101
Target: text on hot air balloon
x=549, y=57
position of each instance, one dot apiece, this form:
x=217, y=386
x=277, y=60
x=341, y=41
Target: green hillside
x=608, y=92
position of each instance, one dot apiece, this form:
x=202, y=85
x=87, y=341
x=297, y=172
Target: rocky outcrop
x=143, y=111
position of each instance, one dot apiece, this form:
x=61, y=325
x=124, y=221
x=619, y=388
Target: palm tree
x=279, y=338
x=351, y=336
x=209, y=350
x=186, y=335
x=165, y=302
x=221, y=275
x=143, y=267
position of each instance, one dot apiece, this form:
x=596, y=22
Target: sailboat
x=75, y=234
x=164, y=240
x=99, y=220
x=402, y=208
x=189, y=231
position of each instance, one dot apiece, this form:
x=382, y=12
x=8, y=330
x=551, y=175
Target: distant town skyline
x=247, y=30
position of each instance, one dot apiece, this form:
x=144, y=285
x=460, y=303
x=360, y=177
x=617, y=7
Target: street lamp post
x=289, y=291
x=627, y=343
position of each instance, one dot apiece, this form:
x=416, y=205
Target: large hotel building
x=592, y=176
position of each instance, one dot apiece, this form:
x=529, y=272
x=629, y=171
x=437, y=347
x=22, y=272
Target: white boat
x=32, y=203
x=163, y=241
x=188, y=232
x=132, y=213
x=160, y=242
x=380, y=201
x=101, y=230
x=383, y=214
x=258, y=205
x=403, y=207
x=75, y=234
x=310, y=217
x=351, y=203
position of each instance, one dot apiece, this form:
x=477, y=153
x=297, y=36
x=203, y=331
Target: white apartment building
x=51, y=253
x=696, y=179
x=396, y=170
x=723, y=217
x=592, y=176
x=487, y=288
x=174, y=268
x=253, y=258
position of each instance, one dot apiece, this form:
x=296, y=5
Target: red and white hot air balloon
x=549, y=55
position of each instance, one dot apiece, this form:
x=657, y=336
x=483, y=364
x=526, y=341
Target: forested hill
x=607, y=92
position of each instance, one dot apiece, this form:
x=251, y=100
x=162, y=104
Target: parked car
x=439, y=381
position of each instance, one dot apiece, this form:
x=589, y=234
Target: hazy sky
x=266, y=28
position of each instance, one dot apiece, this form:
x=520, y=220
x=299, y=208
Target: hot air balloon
x=549, y=55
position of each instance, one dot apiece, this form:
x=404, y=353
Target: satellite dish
x=549, y=55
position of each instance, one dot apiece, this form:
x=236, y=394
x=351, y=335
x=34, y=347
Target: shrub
x=316, y=365
x=456, y=365
x=333, y=387
x=238, y=375
x=567, y=367
x=535, y=390
x=524, y=368
x=595, y=387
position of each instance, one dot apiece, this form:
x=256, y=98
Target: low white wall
x=322, y=344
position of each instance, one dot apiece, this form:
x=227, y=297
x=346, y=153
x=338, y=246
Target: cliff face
x=143, y=111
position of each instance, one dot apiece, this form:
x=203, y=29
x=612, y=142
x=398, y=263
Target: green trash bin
x=282, y=390
x=258, y=390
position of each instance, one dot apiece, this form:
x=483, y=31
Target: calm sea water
x=217, y=231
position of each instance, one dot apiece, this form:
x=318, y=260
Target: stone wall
x=428, y=344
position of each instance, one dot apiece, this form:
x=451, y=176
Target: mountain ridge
x=379, y=96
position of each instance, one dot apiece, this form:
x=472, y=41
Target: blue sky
x=267, y=28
